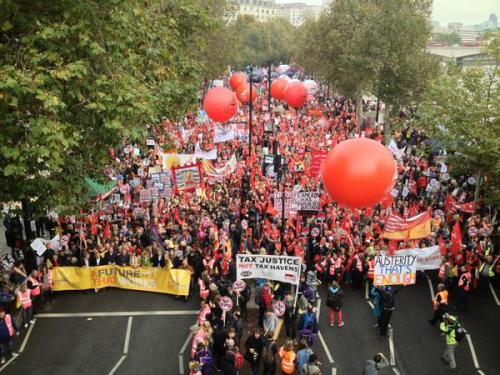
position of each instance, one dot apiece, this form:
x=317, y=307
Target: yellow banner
x=151, y=279
x=419, y=231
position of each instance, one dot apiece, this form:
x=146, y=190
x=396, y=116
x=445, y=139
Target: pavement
x=128, y=332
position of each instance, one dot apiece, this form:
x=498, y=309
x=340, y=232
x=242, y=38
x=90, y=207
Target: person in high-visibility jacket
x=464, y=287
x=288, y=357
x=485, y=272
x=449, y=326
x=24, y=299
x=8, y=329
x=439, y=304
x=35, y=288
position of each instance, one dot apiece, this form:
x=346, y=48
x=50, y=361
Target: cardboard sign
x=279, y=308
x=395, y=269
x=226, y=303
x=239, y=286
x=272, y=267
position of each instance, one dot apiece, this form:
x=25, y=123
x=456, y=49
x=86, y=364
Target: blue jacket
x=313, y=319
x=377, y=309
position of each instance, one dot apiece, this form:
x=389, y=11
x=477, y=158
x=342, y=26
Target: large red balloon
x=243, y=93
x=296, y=94
x=220, y=104
x=237, y=79
x=278, y=88
x=359, y=173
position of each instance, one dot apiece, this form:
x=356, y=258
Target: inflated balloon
x=237, y=79
x=311, y=87
x=278, y=88
x=220, y=104
x=296, y=94
x=359, y=173
x=243, y=93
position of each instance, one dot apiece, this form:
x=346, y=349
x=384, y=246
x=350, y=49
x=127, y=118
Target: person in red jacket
x=266, y=302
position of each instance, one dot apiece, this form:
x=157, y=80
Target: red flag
x=393, y=246
x=442, y=246
x=456, y=239
x=449, y=201
x=107, y=231
x=468, y=207
x=93, y=224
x=271, y=210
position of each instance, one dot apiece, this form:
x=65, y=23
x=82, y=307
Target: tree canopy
x=79, y=77
x=461, y=110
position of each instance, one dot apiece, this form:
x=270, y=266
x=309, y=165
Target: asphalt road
x=142, y=333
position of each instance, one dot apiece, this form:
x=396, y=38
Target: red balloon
x=237, y=79
x=243, y=93
x=359, y=173
x=296, y=94
x=278, y=88
x=220, y=104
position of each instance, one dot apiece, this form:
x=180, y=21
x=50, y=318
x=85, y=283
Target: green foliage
x=461, y=109
x=79, y=77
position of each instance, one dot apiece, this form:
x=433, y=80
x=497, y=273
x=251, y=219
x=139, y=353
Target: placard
x=395, y=269
x=272, y=267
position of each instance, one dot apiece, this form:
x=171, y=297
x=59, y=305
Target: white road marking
x=318, y=309
x=120, y=361
x=334, y=371
x=473, y=352
x=26, y=338
x=431, y=288
x=127, y=335
x=480, y=372
x=14, y=356
x=366, y=290
x=396, y=371
x=391, y=350
x=494, y=294
x=117, y=313
x=327, y=351
x=181, y=353
x=371, y=304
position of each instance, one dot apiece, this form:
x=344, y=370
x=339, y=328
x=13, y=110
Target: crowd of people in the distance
x=202, y=231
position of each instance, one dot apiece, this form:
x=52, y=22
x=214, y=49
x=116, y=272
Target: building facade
x=262, y=10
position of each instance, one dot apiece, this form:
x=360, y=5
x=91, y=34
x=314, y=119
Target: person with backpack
x=288, y=357
x=308, y=325
x=303, y=354
x=311, y=367
x=254, y=345
x=233, y=360
x=378, y=362
x=334, y=301
x=454, y=334
x=269, y=355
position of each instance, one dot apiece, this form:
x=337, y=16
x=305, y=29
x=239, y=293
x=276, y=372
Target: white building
x=263, y=10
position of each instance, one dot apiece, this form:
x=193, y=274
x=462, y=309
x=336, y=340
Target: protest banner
x=308, y=200
x=397, y=228
x=223, y=134
x=271, y=267
x=297, y=201
x=152, y=279
x=395, y=269
x=268, y=166
x=428, y=258
x=317, y=159
x=202, y=154
x=186, y=178
x=145, y=196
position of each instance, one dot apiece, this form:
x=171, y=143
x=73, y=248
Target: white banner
x=200, y=154
x=428, y=258
x=393, y=147
x=272, y=267
x=223, y=134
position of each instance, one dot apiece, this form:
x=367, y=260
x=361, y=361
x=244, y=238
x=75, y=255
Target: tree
x=461, y=109
x=80, y=77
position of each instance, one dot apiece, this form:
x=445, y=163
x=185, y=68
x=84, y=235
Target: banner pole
x=296, y=296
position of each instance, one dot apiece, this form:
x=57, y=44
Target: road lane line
x=181, y=353
x=26, y=338
x=120, y=361
x=396, y=371
x=14, y=356
x=325, y=348
x=118, y=313
x=472, y=351
x=391, y=350
x=318, y=309
x=366, y=290
x=334, y=371
x=480, y=372
x=371, y=304
x=127, y=335
x=494, y=294
x=431, y=288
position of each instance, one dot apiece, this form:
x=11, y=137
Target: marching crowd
x=202, y=230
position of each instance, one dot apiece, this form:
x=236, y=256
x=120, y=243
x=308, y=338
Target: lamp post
x=269, y=88
x=250, y=107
